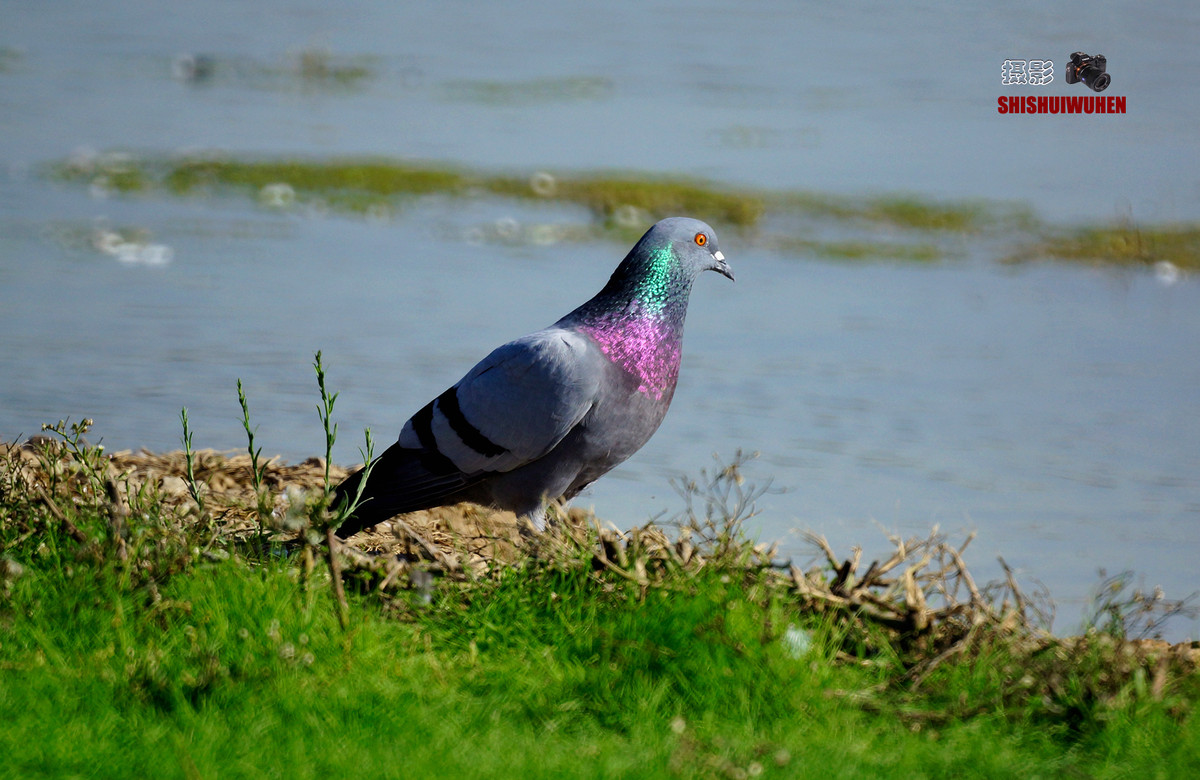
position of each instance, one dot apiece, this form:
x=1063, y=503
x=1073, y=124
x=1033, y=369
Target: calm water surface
x=1050, y=408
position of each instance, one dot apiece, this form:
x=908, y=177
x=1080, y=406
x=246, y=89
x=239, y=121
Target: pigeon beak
x=722, y=267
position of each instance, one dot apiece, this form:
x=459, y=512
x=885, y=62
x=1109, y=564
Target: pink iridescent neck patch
x=645, y=347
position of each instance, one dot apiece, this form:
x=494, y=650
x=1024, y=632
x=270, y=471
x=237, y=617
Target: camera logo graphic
x=1092, y=71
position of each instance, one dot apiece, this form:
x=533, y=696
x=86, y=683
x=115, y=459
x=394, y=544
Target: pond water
x=1050, y=408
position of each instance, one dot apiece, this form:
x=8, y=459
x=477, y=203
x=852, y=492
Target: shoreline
x=475, y=541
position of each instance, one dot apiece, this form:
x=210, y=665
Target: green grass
x=168, y=663
x=234, y=669
x=146, y=637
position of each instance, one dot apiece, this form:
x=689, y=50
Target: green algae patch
x=1125, y=245
x=850, y=251
x=662, y=197
x=900, y=227
x=318, y=66
x=368, y=177
x=905, y=211
x=531, y=92
x=131, y=179
x=311, y=69
x=915, y=213
x=356, y=184
x=9, y=59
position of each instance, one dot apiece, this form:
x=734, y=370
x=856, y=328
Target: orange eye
x=701, y=239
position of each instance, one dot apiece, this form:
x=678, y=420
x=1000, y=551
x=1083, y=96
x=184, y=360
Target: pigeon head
x=655, y=278
x=666, y=260
x=692, y=245
x=637, y=319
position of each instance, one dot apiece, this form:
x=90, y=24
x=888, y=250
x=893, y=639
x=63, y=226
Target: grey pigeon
x=544, y=416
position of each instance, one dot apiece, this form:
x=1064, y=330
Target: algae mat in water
x=890, y=227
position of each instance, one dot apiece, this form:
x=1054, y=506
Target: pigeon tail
x=401, y=480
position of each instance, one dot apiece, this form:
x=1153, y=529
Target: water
x=1049, y=408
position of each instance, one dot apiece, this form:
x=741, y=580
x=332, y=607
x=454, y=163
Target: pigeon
x=544, y=416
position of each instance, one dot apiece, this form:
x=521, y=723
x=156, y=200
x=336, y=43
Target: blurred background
x=943, y=315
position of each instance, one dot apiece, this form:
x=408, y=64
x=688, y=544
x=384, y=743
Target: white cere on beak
x=718, y=255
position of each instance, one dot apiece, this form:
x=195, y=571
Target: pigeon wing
x=513, y=407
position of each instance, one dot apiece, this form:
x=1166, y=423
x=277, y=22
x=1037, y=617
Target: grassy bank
x=175, y=616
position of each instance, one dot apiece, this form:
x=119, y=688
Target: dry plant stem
x=392, y=573
x=921, y=601
x=822, y=544
x=118, y=511
x=622, y=572
x=71, y=529
x=335, y=572
x=919, y=673
x=307, y=566
x=1018, y=599
x=434, y=553
x=977, y=599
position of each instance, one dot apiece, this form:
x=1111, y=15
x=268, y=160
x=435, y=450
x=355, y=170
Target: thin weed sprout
x=83, y=458
x=325, y=518
x=62, y=459
x=325, y=410
x=70, y=452
x=194, y=488
x=318, y=520
x=12, y=483
x=263, y=502
x=110, y=515
x=331, y=517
